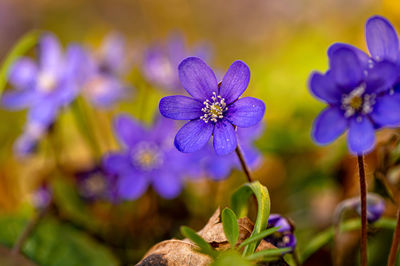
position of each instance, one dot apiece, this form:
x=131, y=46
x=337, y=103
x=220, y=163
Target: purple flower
x=95, y=183
x=284, y=237
x=219, y=167
x=42, y=197
x=160, y=62
x=375, y=207
x=357, y=92
x=43, y=88
x=213, y=109
x=100, y=72
x=147, y=158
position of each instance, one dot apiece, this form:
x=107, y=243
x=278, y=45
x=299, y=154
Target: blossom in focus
x=359, y=98
x=147, y=158
x=42, y=87
x=100, y=72
x=284, y=237
x=160, y=62
x=214, y=109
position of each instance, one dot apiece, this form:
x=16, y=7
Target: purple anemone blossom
x=43, y=88
x=213, y=110
x=358, y=98
x=147, y=158
x=95, y=184
x=42, y=196
x=375, y=207
x=160, y=62
x=219, y=167
x=100, y=72
x=284, y=237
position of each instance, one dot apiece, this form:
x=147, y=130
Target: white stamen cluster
x=358, y=102
x=147, y=156
x=95, y=184
x=214, y=109
x=47, y=82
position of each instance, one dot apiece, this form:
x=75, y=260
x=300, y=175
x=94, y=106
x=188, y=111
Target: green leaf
x=231, y=227
x=199, y=241
x=267, y=253
x=239, y=203
x=55, y=243
x=23, y=45
x=259, y=236
x=231, y=258
x=327, y=236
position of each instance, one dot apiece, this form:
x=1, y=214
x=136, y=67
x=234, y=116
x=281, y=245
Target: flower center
x=46, y=82
x=357, y=102
x=95, y=184
x=214, y=109
x=147, y=156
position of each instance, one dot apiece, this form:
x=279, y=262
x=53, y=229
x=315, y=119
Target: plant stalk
x=363, y=197
x=243, y=163
x=395, y=242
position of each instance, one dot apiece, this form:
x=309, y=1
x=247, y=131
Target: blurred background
x=281, y=42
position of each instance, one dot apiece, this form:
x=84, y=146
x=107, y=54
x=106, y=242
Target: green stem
x=84, y=126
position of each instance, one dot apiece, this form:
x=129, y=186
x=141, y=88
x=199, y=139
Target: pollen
x=147, y=156
x=358, y=102
x=47, y=82
x=214, y=109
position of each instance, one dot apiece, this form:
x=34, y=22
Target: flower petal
x=180, y=107
x=197, y=78
x=381, y=77
x=361, y=136
x=246, y=112
x=19, y=99
x=323, y=87
x=382, y=39
x=219, y=167
x=112, y=52
x=193, y=135
x=329, y=125
x=386, y=111
x=128, y=130
x=224, y=138
x=43, y=112
x=116, y=163
x=23, y=73
x=50, y=54
x=131, y=185
x=235, y=81
x=346, y=68
x=167, y=184
x=362, y=56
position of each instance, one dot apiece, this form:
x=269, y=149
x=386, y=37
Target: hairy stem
x=243, y=163
x=28, y=230
x=363, y=196
x=395, y=242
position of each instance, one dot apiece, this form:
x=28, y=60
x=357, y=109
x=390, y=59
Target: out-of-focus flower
x=147, y=158
x=42, y=196
x=95, y=184
x=212, y=109
x=284, y=237
x=100, y=72
x=375, y=207
x=219, y=167
x=43, y=88
x=160, y=62
x=358, y=96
